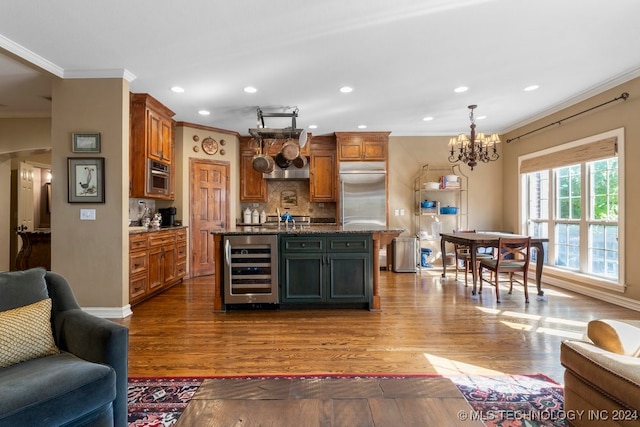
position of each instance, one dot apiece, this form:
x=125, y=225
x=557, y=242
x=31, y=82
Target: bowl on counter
x=426, y=204
x=448, y=210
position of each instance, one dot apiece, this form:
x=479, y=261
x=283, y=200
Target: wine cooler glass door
x=251, y=269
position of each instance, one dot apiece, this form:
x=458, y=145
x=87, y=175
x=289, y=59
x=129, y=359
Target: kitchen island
x=328, y=245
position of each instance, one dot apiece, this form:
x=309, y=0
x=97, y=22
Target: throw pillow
x=20, y=288
x=615, y=336
x=25, y=333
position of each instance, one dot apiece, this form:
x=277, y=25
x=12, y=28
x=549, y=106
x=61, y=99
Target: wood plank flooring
x=426, y=325
x=380, y=402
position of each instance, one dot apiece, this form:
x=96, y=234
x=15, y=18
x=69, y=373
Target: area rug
x=158, y=402
x=498, y=401
x=513, y=400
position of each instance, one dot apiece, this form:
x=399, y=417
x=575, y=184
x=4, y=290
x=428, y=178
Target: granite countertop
x=306, y=229
x=140, y=229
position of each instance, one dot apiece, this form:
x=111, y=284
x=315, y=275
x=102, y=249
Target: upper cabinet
x=151, y=140
x=160, y=131
x=253, y=187
x=356, y=146
x=322, y=169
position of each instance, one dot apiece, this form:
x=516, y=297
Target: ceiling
x=403, y=58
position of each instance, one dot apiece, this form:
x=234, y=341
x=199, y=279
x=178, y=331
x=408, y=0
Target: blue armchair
x=82, y=381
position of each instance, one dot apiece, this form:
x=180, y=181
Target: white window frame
x=581, y=277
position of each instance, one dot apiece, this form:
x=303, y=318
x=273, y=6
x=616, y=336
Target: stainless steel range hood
x=291, y=172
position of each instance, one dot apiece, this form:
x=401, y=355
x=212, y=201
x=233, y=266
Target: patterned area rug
x=509, y=400
x=514, y=400
x=158, y=402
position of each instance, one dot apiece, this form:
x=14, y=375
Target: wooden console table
x=35, y=251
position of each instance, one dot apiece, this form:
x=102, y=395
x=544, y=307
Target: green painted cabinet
x=330, y=269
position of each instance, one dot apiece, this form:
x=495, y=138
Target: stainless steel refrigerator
x=363, y=195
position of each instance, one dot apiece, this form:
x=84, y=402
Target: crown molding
x=583, y=96
x=115, y=73
x=27, y=55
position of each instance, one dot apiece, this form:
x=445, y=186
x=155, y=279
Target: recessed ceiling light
x=204, y=112
x=362, y=126
x=530, y=88
x=481, y=117
x=346, y=89
x=177, y=89
x=313, y=126
x=427, y=119
x=461, y=89
x=250, y=89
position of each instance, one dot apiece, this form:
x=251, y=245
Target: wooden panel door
x=253, y=187
x=154, y=132
x=25, y=197
x=168, y=264
x=375, y=150
x=156, y=269
x=208, y=196
x=322, y=176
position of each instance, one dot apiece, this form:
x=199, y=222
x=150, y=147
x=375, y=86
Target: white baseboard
x=592, y=292
x=110, y=312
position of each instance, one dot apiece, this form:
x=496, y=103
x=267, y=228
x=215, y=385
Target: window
x=570, y=195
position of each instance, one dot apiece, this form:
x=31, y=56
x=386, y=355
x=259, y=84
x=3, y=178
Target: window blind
x=597, y=150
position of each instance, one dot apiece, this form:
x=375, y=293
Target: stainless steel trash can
x=404, y=254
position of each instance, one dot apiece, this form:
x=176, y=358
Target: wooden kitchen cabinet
x=253, y=187
x=334, y=269
x=138, y=267
x=181, y=253
x=157, y=261
x=357, y=146
x=322, y=170
x=162, y=259
x=151, y=138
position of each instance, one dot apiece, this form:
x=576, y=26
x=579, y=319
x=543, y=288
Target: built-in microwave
x=158, y=177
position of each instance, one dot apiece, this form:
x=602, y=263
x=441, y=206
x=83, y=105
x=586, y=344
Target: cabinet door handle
x=348, y=244
x=227, y=252
x=304, y=245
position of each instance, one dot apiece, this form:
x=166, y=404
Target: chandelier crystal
x=474, y=148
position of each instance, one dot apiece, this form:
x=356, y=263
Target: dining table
x=491, y=239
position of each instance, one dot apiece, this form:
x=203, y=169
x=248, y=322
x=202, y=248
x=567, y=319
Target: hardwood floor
x=426, y=325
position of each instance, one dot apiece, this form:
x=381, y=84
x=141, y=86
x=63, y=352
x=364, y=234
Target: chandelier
x=473, y=148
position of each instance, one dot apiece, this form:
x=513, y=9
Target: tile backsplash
x=136, y=209
x=294, y=195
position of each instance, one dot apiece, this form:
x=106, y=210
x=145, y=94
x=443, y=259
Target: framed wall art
x=86, y=179
x=289, y=198
x=85, y=143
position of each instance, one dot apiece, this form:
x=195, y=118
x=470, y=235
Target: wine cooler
x=251, y=269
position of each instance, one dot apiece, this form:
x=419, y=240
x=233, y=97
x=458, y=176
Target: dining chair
x=462, y=253
x=512, y=256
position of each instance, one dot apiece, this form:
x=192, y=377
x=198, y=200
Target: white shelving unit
x=446, y=186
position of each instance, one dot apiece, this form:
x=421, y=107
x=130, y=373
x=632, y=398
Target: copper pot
x=281, y=161
x=263, y=163
x=299, y=162
x=290, y=149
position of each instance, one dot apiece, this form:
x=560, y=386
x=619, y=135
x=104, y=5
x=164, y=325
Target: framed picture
x=288, y=198
x=86, y=179
x=85, y=143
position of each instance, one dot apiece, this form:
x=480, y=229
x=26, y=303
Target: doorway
x=30, y=199
x=209, y=210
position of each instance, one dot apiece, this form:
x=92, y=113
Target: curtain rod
x=624, y=97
